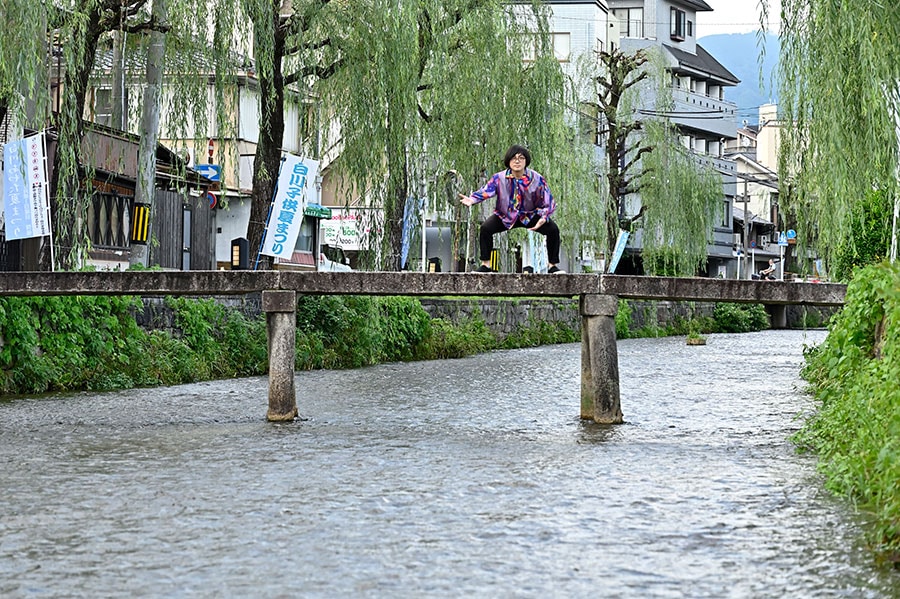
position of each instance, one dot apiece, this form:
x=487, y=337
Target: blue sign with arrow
x=213, y=172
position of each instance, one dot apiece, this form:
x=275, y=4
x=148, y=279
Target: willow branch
x=317, y=71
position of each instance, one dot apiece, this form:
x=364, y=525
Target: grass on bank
x=50, y=344
x=855, y=375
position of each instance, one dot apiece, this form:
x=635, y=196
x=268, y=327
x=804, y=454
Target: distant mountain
x=739, y=53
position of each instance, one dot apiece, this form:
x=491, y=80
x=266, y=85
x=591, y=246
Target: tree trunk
x=267, y=161
x=398, y=181
x=68, y=201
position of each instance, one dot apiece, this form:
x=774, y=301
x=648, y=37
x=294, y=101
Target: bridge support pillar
x=777, y=315
x=281, y=324
x=599, y=359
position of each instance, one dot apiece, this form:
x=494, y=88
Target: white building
x=704, y=117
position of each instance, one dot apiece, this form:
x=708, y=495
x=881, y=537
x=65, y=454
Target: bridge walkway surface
x=598, y=303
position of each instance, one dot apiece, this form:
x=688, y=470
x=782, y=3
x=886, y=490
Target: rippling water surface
x=463, y=478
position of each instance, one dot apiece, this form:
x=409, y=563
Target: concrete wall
x=504, y=316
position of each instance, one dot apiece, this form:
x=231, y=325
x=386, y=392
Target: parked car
x=332, y=259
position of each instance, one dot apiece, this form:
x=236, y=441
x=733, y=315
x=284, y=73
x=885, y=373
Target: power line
x=645, y=22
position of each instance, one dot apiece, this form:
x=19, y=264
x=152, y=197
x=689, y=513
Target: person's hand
x=538, y=224
x=466, y=200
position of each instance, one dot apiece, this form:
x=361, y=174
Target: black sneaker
x=528, y=270
x=553, y=270
x=484, y=268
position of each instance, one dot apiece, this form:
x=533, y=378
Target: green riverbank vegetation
x=52, y=344
x=726, y=318
x=57, y=344
x=855, y=375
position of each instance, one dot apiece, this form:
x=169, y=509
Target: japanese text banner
x=25, y=189
x=286, y=214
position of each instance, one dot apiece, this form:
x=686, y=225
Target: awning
x=738, y=214
x=317, y=211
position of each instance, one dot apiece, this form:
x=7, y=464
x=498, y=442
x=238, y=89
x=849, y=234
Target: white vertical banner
x=619, y=249
x=286, y=212
x=26, y=190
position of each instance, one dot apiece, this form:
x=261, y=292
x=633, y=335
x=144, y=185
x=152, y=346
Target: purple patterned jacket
x=526, y=199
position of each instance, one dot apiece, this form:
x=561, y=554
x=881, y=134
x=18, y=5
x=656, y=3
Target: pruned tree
x=653, y=182
x=623, y=147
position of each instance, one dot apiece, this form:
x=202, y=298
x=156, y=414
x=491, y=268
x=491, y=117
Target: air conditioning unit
x=764, y=240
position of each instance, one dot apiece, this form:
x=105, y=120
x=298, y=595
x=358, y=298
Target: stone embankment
x=502, y=316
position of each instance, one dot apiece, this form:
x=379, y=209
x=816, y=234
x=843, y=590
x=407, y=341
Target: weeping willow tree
x=681, y=200
x=79, y=30
x=839, y=95
x=75, y=36
x=23, y=74
x=433, y=86
x=653, y=182
x=296, y=45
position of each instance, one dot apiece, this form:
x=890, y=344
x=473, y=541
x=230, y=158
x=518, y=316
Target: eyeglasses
x=517, y=157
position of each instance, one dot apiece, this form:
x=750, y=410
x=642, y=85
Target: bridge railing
x=237, y=282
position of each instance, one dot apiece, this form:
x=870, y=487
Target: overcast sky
x=735, y=16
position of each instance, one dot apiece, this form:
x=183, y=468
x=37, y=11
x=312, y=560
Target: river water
x=457, y=478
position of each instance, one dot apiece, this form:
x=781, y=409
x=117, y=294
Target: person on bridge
x=523, y=200
x=767, y=273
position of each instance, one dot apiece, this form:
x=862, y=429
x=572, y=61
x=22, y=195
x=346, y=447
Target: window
x=632, y=20
x=679, y=24
x=726, y=214
x=588, y=121
x=690, y=29
x=561, y=46
x=305, y=238
x=528, y=51
x=103, y=107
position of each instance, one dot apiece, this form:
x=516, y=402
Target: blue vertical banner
x=26, y=190
x=411, y=212
x=286, y=211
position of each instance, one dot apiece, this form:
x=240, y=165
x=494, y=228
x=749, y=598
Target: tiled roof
x=738, y=214
x=704, y=62
x=695, y=4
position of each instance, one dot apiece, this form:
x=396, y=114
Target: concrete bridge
x=598, y=301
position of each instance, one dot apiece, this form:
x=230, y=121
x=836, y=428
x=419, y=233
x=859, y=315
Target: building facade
x=705, y=119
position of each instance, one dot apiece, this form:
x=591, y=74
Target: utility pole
x=745, y=242
x=747, y=269
x=145, y=189
x=118, y=83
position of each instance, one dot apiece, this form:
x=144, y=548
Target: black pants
x=494, y=225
